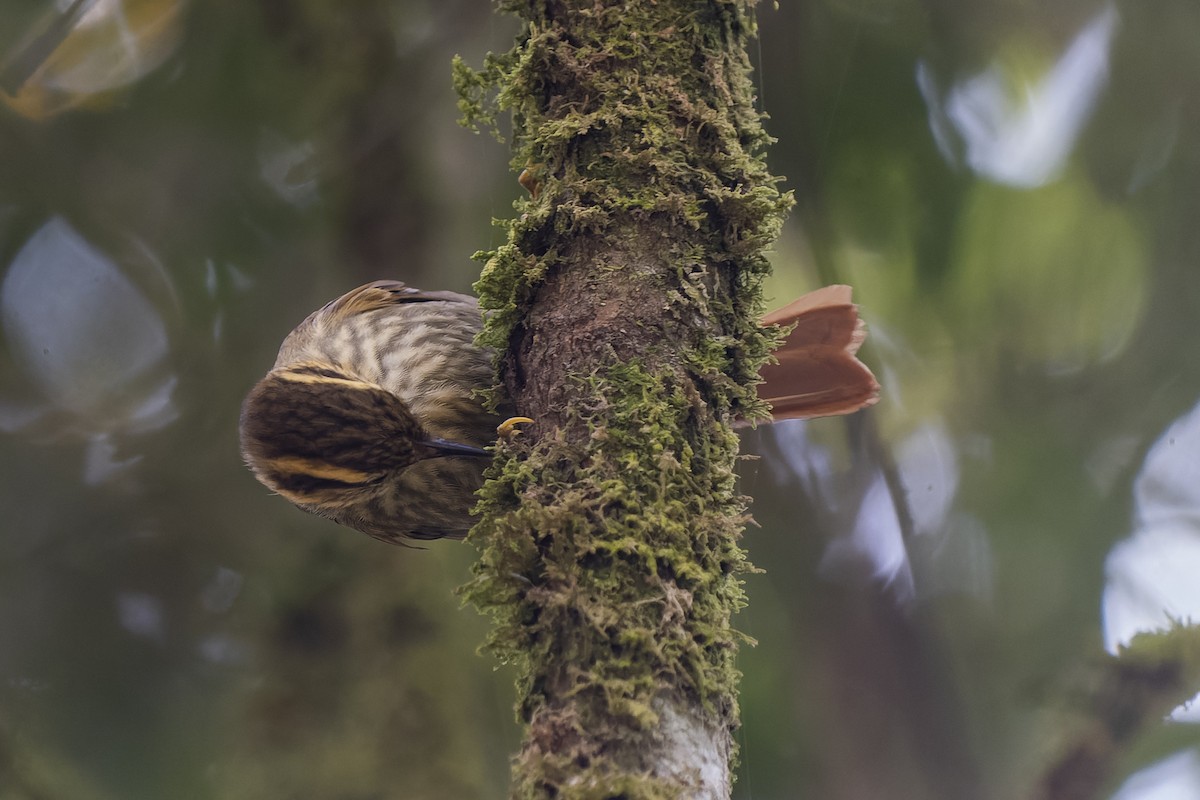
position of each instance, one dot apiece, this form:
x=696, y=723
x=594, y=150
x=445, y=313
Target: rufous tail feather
x=818, y=373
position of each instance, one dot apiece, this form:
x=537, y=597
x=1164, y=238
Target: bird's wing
x=382, y=294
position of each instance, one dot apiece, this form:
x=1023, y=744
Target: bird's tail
x=818, y=374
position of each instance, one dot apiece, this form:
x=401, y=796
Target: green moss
x=634, y=124
x=1176, y=651
x=627, y=551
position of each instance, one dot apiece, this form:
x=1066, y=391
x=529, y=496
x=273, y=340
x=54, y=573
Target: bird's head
x=327, y=440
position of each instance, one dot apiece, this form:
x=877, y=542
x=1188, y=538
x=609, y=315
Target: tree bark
x=625, y=307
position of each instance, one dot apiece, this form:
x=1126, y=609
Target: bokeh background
x=1012, y=189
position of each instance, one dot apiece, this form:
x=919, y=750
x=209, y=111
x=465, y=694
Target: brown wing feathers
x=381, y=294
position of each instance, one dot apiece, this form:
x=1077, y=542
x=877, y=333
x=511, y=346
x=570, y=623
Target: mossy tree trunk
x=625, y=305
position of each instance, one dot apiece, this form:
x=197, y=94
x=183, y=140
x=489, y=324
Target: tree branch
x=625, y=304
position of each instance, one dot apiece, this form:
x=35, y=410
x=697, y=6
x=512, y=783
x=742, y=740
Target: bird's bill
x=445, y=447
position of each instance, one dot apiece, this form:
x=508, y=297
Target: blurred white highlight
x=1173, y=778
x=1151, y=576
x=1025, y=140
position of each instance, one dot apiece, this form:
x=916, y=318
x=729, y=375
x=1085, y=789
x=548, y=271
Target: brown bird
x=371, y=415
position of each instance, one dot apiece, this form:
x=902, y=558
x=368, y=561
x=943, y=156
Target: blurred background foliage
x=1011, y=188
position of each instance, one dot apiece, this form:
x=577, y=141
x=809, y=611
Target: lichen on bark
x=624, y=308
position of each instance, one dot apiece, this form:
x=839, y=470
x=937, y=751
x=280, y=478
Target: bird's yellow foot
x=508, y=429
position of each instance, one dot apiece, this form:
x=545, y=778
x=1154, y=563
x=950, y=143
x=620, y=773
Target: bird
x=372, y=414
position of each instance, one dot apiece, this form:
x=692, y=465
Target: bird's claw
x=508, y=429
